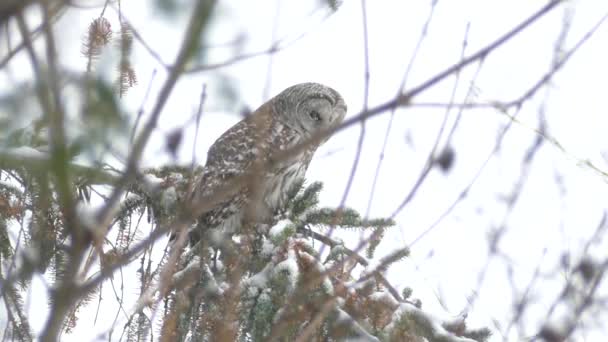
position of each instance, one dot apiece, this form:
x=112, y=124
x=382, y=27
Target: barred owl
x=248, y=151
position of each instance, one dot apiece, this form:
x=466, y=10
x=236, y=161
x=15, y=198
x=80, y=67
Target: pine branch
x=345, y=218
x=361, y=260
x=30, y=158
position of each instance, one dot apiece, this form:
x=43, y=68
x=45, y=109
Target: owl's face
x=310, y=107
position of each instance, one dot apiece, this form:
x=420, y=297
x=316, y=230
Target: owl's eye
x=315, y=115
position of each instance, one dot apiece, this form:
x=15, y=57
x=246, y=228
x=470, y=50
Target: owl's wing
x=230, y=159
x=235, y=149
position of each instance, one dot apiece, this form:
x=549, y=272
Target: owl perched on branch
x=249, y=154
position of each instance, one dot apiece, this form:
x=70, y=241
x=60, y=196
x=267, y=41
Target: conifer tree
x=80, y=215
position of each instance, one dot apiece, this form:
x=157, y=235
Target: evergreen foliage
x=70, y=219
x=269, y=279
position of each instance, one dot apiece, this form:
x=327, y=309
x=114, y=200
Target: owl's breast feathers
x=244, y=155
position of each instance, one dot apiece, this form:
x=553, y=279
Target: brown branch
x=431, y=158
x=274, y=48
x=404, y=99
x=354, y=167
x=57, y=12
x=200, y=17
x=389, y=126
x=54, y=112
x=354, y=255
x=16, y=158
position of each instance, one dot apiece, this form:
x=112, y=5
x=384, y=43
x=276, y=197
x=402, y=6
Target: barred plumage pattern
x=243, y=152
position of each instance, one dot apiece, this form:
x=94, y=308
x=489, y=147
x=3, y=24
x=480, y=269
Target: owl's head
x=309, y=108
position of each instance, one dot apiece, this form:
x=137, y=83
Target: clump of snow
x=306, y=245
x=268, y=247
x=279, y=229
x=258, y=280
x=168, y=198
x=289, y=267
x=384, y=297
x=211, y=286
x=152, y=180
x=224, y=286
x=327, y=286
x=363, y=335
x=26, y=152
x=439, y=332
x=193, y=265
x=151, y=183
x=336, y=251
x=218, y=265
x=10, y=185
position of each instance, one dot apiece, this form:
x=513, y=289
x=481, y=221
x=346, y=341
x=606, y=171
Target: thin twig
x=389, y=126
x=200, y=16
x=60, y=159
x=199, y=115
x=140, y=111
x=354, y=167
x=57, y=13
x=431, y=156
x=275, y=29
x=405, y=98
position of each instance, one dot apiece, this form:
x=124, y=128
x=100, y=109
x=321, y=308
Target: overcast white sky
x=550, y=216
